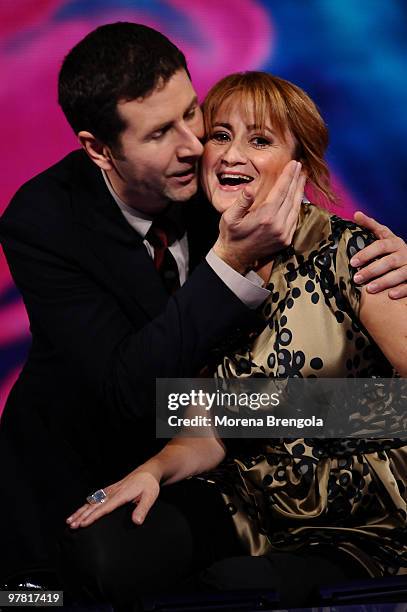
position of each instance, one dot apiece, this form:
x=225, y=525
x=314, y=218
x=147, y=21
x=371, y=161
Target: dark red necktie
x=161, y=235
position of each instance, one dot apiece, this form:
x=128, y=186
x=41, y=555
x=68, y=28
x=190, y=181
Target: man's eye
x=191, y=113
x=260, y=141
x=159, y=133
x=220, y=137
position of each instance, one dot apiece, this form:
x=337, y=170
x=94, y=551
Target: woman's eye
x=260, y=141
x=220, y=136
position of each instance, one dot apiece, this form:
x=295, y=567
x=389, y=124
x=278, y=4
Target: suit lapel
x=202, y=226
x=127, y=266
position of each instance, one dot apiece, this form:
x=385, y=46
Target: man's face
x=160, y=147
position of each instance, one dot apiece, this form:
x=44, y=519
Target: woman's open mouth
x=233, y=181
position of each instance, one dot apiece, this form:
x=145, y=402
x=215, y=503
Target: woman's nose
x=234, y=153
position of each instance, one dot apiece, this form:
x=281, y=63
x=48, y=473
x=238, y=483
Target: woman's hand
x=388, y=272
x=180, y=458
x=140, y=487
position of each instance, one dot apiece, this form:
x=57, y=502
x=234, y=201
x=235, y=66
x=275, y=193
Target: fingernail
x=372, y=288
x=69, y=520
x=355, y=262
x=358, y=278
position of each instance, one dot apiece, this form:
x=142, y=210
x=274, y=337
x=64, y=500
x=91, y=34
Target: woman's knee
x=115, y=558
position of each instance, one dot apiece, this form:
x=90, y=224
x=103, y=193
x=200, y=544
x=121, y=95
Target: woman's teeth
x=234, y=179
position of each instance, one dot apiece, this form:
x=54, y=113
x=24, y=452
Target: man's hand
x=250, y=230
x=140, y=487
x=388, y=272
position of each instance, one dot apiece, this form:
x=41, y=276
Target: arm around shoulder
x=383, y=318
x=386, y=321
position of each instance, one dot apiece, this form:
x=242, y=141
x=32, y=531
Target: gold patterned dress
x=286, y=494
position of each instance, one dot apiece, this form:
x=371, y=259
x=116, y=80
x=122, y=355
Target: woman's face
x=238, y=154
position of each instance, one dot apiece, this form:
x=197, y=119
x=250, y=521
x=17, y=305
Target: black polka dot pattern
x=316, y=363
x=312, y=329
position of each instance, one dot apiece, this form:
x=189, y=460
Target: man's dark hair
x=117, y=61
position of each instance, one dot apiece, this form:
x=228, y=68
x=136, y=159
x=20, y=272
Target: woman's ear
x=300, y=157
x=304, y=169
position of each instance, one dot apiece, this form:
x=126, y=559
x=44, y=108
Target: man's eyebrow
x=194, y=102
x=168, y=124
x=161, y=126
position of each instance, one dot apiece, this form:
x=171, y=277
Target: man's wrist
x=248, y=287
x=242, y=266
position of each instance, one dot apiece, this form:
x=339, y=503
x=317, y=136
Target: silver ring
x=98, y=497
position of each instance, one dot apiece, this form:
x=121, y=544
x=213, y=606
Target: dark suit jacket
x=82, y=412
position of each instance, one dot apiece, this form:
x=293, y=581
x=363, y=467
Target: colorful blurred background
x=350, y=56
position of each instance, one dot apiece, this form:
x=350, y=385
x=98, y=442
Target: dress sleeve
x=352, y=240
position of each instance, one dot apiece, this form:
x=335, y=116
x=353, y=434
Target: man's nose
x=190, y=145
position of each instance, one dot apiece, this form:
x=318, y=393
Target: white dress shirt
x=247, y=288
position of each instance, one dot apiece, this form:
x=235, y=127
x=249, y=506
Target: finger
x=381, y=267
x=380, y=248
x=398, y=292
x=292, y=218
x=78, y=514
x=144, y=505
x=294, y=190
x=284, y=189
x=96, y=511
x=279, y=201
x=78, y=520
x=89, y=513
x=388, y=281
x=287, y=181
x=73, y=517
x=379, y=230
x=241, y=205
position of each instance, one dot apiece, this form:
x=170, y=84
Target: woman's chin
x=223, y=201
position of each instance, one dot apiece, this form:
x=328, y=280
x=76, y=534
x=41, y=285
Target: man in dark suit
x=82, y=250
x=97, y=245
